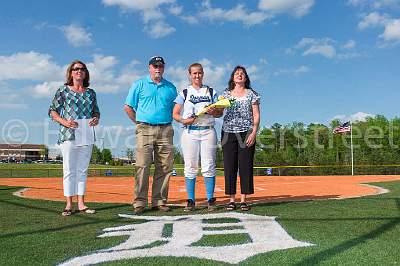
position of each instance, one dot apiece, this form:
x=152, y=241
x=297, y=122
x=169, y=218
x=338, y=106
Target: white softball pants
x=195, y=144
x=75, y=165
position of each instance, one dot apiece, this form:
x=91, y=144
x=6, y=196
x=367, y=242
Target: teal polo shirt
x=153, y=103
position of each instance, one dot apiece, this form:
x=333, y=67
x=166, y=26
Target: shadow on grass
x=87, y=219
x=327, y=254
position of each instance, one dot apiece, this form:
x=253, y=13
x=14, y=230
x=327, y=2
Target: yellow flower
x=221, y=104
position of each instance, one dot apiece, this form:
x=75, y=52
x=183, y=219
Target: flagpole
x=351, y=148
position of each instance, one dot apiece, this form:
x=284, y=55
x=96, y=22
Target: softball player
x=199, y=138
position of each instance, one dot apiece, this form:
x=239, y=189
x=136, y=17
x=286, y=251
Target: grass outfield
x=362, y=231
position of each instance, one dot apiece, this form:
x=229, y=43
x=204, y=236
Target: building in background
x=23, y=152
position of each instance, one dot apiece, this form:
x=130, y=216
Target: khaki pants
x=153, y=142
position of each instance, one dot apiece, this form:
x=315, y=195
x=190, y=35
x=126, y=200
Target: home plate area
x=183, y=236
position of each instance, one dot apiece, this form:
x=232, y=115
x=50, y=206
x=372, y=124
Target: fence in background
x=392, y=169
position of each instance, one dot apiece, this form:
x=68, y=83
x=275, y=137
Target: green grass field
x=362, y=231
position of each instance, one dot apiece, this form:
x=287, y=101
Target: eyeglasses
x=78, y=68
x=158, y=66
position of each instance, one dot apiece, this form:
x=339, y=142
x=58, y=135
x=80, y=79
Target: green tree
x=178, y=158
x=130, y=154
x=96, y=155
x=44, y=152
x=106, y=156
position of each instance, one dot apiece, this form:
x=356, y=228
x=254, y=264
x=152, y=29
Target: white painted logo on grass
x=149, y=239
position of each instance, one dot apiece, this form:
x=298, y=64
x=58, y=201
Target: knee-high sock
x=190, y=187
x=210, y=185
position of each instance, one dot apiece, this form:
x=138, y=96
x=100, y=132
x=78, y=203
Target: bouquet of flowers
x=221, y=103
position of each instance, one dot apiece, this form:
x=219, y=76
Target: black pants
x=237, y=155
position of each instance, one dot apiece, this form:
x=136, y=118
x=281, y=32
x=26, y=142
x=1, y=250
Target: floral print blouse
x=239, y=116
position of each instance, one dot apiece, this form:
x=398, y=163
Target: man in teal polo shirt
x=149, y=105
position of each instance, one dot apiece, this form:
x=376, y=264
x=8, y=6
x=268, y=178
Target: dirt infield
x=267, y=188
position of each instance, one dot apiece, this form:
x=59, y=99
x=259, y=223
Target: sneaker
x=211, y=204
x=138, y=210
x=190, y=206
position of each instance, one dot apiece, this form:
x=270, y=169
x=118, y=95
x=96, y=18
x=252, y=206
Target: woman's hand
x=69, y=123
x=251, y=139
x=94, y=121
x=215, y=112
x=188, y=121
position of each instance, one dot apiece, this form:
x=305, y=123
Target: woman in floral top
x=75, y=103
x=239, y=132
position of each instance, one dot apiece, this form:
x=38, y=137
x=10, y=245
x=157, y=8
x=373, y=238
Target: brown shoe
x=190, y=206
x=138, y=210
x=163, y=208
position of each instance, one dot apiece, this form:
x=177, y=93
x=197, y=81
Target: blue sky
x=311, y=60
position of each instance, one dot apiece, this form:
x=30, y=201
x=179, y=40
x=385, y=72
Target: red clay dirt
x=267, y=188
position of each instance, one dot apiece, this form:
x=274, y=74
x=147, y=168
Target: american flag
x=345, y=127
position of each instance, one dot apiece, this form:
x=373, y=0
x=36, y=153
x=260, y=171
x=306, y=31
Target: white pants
x=75, y=165
x=195, y=144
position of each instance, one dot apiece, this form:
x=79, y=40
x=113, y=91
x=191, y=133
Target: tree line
x=376, y=142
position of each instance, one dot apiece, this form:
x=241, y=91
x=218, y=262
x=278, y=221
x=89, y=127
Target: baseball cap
x=156, y=60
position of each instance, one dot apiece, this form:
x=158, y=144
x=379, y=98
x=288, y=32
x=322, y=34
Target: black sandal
x=244, y=207
x=231, y=206
x=66, y=212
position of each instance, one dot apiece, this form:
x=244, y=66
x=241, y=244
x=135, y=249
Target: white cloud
x=76, y=35
x=34, y=66
x=355, y=2
x=322, y=49
x=374, y=4
x=359, y=116
x=297, y=71
x=301, y=69
x=263, y=61
x=137, y=5
x=10, y=99
x=349, y=44
x=29, y=66
x=238, y=13
x=392, y=31
x=45, y=89
x=159, y=29
x=385, y=3
x=5, y=105
x=176, y=10
x=325, y=47
x=312, y=46
x=297, y=8
x=190, y=19
x=105, y=79
x=154, y=12
x=215, y=75
x=344, y=56
x=152, y=16
x=372, y=20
